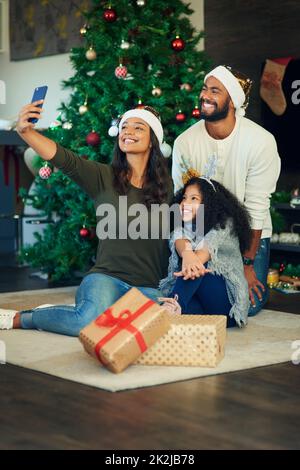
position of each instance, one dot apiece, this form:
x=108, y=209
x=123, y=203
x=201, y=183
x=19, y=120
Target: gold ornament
x=91, y=54
x=185, y=86
x=83, y=108
x=190, y=173
x=83, y=30
x=156, y=91
x=124, y=44
x=67, y=125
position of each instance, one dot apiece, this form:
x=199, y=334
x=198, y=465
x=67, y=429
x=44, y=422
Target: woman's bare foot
x=171, y=304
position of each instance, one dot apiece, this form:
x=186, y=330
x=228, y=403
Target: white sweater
x=248, y=165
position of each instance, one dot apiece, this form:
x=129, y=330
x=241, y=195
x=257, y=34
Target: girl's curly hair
x=219, y=206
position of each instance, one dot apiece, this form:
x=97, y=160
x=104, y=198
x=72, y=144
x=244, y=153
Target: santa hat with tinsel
x=237, y=85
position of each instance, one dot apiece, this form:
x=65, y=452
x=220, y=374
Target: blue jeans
x=206, y=295
x=261, y=266
x=95, y=294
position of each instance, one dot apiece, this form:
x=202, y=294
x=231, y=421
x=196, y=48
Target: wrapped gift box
x=192, y=340
x=129, y=327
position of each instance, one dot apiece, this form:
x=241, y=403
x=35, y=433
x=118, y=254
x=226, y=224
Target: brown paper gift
x=125, y=330
x=192, y=340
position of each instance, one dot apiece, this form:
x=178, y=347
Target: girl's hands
x=192, y=267
x=28, y=111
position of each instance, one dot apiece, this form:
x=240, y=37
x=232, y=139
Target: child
x=206, y=273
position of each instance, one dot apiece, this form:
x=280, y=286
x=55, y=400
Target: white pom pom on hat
x=113, y=131
x=240, y=111
x=165, y=149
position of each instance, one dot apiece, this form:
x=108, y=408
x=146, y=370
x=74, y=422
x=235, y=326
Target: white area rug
x=266, y=340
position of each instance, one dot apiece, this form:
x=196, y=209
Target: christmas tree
x=134, y=53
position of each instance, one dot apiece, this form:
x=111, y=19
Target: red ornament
x=84, y=232
x=140, y=105
x=121, y=71
x=110, y=15
x=196, y=112
x=178, y=44
x=180, y=116
x=282, y=268
x=45, y=172
x=93, y=138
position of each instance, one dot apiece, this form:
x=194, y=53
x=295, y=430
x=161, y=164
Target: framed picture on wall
x=45, y=27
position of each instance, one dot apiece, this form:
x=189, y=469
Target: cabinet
x=288, y=252
x=13, y=175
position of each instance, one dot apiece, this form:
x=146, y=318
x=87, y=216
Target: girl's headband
x=191, y=173
x=209, y=171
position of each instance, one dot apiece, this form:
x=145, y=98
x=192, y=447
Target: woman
x=206, y=273
x=138, y=172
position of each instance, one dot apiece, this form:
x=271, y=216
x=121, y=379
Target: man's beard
x=218, y=114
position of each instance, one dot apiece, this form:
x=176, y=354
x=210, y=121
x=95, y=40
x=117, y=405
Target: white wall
x=21, y=77
x=197, y=17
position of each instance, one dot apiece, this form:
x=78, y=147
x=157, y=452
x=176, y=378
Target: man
x=247, y=159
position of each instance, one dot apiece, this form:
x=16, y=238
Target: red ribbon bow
x=107, y=319
x=121, y=322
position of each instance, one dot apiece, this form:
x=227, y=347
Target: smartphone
x=38, y=94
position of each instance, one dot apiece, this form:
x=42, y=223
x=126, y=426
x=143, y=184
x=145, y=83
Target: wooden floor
x=255, y=409
x=252, y=409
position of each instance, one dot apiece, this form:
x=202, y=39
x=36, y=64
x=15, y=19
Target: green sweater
x=141, y=262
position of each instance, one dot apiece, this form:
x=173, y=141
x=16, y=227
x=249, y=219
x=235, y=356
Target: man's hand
x=254, y=285
x=191, y=266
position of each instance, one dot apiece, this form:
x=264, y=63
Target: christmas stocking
x=270, y=86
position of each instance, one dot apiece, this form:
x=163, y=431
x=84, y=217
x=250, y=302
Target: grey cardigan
x=226, y=260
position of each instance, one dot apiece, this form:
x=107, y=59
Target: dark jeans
x=261, y=266
x=205, y=295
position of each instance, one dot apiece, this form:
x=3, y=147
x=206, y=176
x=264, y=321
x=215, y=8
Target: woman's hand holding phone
x=28, y=111
x=31, y=113
x=28, y=117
